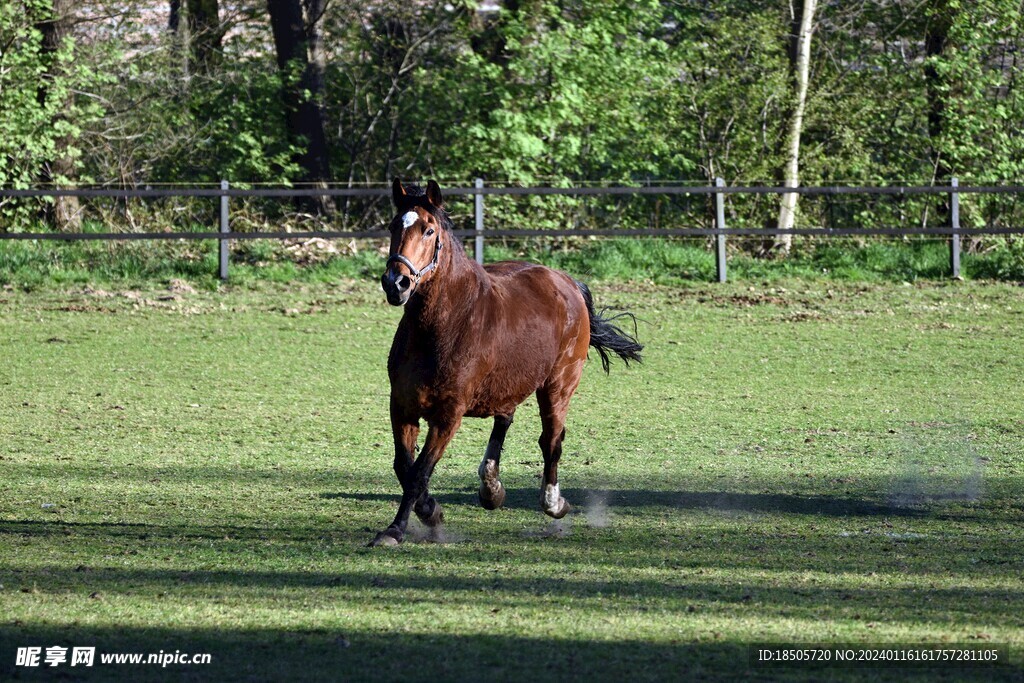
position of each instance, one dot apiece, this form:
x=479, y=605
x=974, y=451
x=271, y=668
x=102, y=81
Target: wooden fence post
x=224, y=228
x=954, y=222
x=720, y=224
x=478, y=210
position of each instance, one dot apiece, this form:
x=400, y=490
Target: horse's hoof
x=492, y=497
x=388, y=537
x=430, y=513
x=561, y=511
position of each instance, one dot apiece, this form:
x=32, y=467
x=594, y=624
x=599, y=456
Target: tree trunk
x=802, y=27
x=199, y=36
x=317, y=67
x=65, y=212
x=301, y=91
x=180, y=45
x=204, y=34
x=174, y=18
x=936, y=37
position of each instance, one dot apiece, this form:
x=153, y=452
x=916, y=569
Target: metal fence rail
x=224, y=194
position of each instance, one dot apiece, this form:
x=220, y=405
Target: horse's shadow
x=681, y=500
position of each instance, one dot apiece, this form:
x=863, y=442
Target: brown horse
x=476, y=341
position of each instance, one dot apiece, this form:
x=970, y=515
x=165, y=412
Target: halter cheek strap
x=417, y=274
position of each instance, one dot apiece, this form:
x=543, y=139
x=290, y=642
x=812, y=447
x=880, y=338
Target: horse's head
x=417, y=237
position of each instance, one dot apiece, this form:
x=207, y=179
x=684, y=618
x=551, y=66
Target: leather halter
x=417, y=273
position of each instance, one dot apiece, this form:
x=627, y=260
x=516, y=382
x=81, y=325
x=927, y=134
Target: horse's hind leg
x=492, y=493
x=553, y=408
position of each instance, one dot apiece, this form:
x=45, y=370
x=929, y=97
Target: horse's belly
x=494, y=407
x=500, y=393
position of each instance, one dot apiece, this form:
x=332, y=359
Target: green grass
x=662, y=261
x=673, y=262
x=794, y=462
x=30, y=265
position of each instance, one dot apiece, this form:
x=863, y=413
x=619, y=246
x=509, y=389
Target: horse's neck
x=450, y=295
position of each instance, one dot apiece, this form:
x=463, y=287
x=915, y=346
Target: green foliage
x=164, y=126
x=539, y=92
x=983, y=101
x=41, y=116
x=25, y=136
x=28, y=265
x=981, y=133
x=1003, y=259
x=579, y=88
x=728, y=98
x=670, y=261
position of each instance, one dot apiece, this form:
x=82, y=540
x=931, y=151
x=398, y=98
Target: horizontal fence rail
x=225, y=193
x=569, y=191
x=517, y=232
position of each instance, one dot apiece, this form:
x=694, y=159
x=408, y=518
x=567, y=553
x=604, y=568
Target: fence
x=479, y=191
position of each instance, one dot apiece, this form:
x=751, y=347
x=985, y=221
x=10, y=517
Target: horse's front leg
x=415, y=479
x=405, y=431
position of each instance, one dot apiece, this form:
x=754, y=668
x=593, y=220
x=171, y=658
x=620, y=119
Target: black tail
x=606, y=336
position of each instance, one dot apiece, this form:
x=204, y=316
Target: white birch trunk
x=791, y=170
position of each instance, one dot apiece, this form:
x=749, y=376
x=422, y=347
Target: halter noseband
x=416, y=273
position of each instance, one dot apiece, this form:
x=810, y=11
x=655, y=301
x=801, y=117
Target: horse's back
x=506, y=268
x=537, y=321
x=532, y=292
x=542, y=282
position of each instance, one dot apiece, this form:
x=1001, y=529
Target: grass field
x=795, y=462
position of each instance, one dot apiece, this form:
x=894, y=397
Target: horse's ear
x=397, y=192
x=434, y=194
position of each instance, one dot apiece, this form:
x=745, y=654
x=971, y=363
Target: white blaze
x=409, y=219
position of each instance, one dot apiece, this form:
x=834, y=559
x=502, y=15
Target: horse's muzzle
x=396, y=286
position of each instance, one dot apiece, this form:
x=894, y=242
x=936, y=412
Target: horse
x=476, y=341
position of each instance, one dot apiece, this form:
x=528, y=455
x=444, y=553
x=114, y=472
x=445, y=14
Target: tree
x=530, y=91
x=205, y=35
x=41, y=119
x=802, y=28
x=302, y=88
x=974, y=99
x=573, y=93
x=60, y=168
x=200, y=36
x=726, y=117
x=939, y=21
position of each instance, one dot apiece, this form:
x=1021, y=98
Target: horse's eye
x=430, y=231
